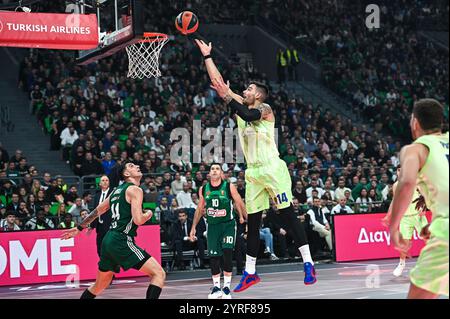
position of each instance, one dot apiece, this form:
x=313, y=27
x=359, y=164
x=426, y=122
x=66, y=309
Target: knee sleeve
x=215, y=265
x=254, y=223
x=293, y=226
x=228, y=260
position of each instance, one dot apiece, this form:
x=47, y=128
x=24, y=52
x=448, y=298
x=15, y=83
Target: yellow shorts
x=270, y=181
x=431, y=270
x=409, y=223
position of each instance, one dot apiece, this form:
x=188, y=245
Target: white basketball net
x=143, y=57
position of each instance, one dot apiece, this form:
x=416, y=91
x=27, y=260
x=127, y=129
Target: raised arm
x=211, y=67
x=240, y=206
x=206, y=49
x=198, y=213
x=135, y=197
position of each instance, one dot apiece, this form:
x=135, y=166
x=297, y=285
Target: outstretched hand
x=219, y=85
x=69, y=233
x=205, y=48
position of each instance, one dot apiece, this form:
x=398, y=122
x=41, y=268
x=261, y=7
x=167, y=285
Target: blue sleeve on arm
x=244, y=112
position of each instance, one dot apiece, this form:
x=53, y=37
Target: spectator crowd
x=97, y=117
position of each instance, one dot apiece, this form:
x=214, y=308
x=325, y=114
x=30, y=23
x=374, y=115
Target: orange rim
x=153, y=37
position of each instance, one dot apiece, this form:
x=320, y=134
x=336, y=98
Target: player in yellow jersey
x=266, y=176
x=425, y=165
x=414, y=218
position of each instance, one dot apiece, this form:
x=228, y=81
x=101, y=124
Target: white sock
x=402, y=261
x=306, y=254
x=250, y=264
x=226, y=281
x=216, y=281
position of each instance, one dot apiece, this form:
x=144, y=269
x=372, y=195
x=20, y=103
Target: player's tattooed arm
x=101, y=209
x=266, y=111
x=97, y=212
x=90, y=218
x=211, y=68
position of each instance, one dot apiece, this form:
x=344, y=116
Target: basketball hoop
x=143, y=56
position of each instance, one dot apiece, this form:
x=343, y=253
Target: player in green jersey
x=118, y=246
x=414, y=218
x=215, y=200
x=425, y=165
x=266, y=176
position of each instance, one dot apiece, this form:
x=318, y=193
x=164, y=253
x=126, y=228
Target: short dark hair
x=220, y=166
x=10, y=213
x=181, y=211
x=116, y=174
x=429, y=113
x=262, y=88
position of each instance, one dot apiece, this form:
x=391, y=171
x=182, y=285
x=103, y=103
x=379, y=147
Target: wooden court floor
x=359, y=280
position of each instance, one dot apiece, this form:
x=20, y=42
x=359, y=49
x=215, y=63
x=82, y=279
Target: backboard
x=121, y=23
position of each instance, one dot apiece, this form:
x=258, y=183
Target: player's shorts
x=265, y=182
x=409, y=223
x=221, y=236
x=119, y=250
x=431, y=270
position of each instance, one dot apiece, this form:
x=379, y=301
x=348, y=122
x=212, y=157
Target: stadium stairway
x=27, y=135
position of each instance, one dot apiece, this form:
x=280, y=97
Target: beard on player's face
x=249, y=99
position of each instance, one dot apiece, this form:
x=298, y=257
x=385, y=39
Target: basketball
x=186, y=22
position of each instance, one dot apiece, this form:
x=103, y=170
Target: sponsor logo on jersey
x=217, y=212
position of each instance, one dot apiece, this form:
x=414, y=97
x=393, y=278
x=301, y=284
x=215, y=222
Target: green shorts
x=409, y=223
x=221, y=236
x=431, y=270
x=119, y=250
x=271, y=181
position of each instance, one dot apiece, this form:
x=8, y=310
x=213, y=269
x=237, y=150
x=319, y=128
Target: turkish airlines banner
x=41, y=256
x=48, y=30
x=363, y=237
